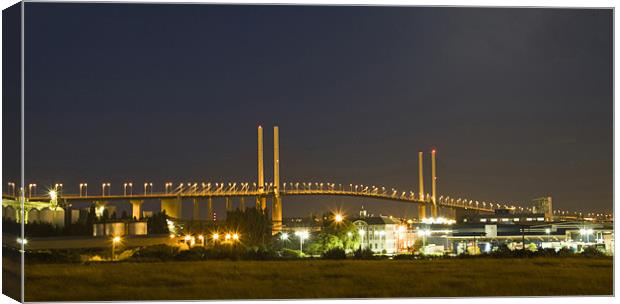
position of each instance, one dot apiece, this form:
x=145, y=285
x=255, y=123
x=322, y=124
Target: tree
x=252, y=224
x=334, y=235
x=157, y=224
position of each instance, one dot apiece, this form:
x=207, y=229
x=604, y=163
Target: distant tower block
x=276, y=212
x=172, y=207
x=434, y=185
x=136, y=208
x=421, y=206
x=261, y=200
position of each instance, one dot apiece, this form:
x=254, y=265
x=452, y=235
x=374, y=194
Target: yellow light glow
x=116, y=239
x=338, y=218
x=235, y=236
x=215, y=236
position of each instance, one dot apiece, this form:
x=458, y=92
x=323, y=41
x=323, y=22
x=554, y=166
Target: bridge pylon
x=276, y=210
x=261, y=200
x=421, y=206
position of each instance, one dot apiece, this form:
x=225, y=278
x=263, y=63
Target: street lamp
x=115, y=240
x=85, y=187
x=30, y=191
x=125, y=185
x=103, y=186
x=548, y=232
x=302, y=235
x=338, y=218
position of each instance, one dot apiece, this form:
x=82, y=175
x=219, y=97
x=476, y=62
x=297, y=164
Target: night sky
x=517, y=102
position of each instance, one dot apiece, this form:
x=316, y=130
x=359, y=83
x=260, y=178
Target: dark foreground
x=320, y=279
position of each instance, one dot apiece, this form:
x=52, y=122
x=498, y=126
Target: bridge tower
x=421, y=206
x=276, y=210
x=434, y=185
x=261, y=201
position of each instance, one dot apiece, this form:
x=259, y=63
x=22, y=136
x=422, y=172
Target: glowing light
x=338, y=218
x=116, y=239
x=284, y=236
x=22, y=241
x=53, y=195
x=215, y=236
x=172, y=236
x=187, y=238
x=201, y=237
x=361, y=232
x=235, y=236
x=227, y=237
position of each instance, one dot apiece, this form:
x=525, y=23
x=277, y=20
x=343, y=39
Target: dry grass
x=320, y=279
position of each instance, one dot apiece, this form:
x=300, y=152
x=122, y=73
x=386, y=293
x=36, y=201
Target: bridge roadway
x=230, y=193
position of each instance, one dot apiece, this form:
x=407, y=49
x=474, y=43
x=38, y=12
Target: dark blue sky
x=518, y=102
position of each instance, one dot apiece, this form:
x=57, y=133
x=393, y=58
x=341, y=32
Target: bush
x=592, y=252
x=260, y=254
x=53, y=256
x=192, y=254
x=365, y=254
x=565, y=251
x=291, y=254
x=404, y=256
x=334, y=254
x=156, y=253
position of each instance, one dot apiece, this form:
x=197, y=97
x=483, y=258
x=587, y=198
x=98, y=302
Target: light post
x=284, y=238
x=125, y=185
x=587, y=233
x=302, y=235
x=103, y=187
x=548, y=232
x=146, y=186
x=168, y=186
x=85, y=187
x=30, y=191
x=115, y=240
x=12, y=188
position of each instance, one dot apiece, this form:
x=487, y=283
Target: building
x=379, y=233
x=120, y=228
x=503, y=216
x=543, y=205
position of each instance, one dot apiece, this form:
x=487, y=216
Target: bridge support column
x=421, y=211
x=196, y=210
x=172, y=207
x=276, y=215
x=136, y=208
x=210, y=209
x=228, y=204
x=242, y=203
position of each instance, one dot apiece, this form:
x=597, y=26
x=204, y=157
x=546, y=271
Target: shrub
x=334, y=254
x=260, y=254
x=564, y=252
x=592, y=252
x=365, y=254
x=291, y=254
x=156, y=252
x=192, y=254
x=404, y=256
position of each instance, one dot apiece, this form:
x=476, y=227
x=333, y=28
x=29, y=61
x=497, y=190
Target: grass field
x=320, y=279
